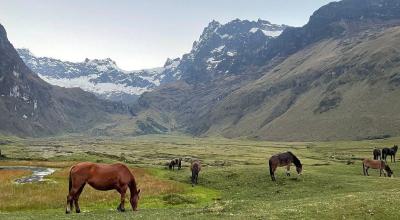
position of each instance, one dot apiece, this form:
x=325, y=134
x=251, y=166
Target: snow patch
x=272, y=33
x=84, y=83
x=35, y=104
x=231, y=53
x=218, y=49
x=16, y=74
x=14, y=92
x=268, y=33
x=212, y=63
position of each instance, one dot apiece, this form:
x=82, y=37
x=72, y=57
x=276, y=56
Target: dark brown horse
x=101, y=177
x=175, y=162
x=195, y=168
x=390, y=151
x=284, y=159
x=377, y=154
x=376, y=164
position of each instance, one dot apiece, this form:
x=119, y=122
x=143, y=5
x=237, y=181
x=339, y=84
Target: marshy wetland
x=234, y=182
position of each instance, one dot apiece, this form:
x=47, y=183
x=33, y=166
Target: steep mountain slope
x=343, y=88
x=223, y=50
x=334, y=78
x=101, y=77
x=30, y=106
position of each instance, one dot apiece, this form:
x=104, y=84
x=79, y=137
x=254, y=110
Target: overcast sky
x=136, y=34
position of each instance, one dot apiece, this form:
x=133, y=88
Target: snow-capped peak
x=102, y=65
x=99, y=76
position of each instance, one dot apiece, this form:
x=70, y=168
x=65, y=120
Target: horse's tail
x=271, y=172
x=70, y=180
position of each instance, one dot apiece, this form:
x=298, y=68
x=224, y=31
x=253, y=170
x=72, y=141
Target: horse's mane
x=387, y=168
x=296, y=160
x=132, y=185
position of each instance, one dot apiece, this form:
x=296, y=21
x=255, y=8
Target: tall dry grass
x=52, y=193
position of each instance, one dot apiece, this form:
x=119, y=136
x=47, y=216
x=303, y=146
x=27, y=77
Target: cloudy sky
x=136, y=34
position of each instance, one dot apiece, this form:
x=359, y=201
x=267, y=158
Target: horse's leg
x=366, y=171
x=288, y=170
x=273, y=174
x=122, y=191
x=70, y=199
x=272, y=169
x=76, y=198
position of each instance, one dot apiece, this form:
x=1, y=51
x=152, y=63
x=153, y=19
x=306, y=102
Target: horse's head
x=135, y=199
x=388, y=171
x=299, y=169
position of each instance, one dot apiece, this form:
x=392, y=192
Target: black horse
x=390, y=151
x=175, y=162
x=284, y=159
x=195, y=168
x=377, y=154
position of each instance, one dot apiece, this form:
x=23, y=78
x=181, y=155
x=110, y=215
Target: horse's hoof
x=67, y=212
x=78, y=211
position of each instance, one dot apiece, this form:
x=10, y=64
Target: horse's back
x=282, y=159
x=90, y=170
x=82, y=167
x=195, y=165
x=374, y=163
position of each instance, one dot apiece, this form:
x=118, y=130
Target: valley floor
x=234, y=182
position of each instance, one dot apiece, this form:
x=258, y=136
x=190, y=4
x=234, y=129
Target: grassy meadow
x=234, y=182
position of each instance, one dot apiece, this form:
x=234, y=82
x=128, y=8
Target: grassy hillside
x=234, y=182
x=343, y=88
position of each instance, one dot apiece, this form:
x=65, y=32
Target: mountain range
x=101, y=77
x=220, y=51
x=335, y=78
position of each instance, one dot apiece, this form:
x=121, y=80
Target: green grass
x=234, y=182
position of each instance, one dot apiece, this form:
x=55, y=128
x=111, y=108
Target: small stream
x=38, y=173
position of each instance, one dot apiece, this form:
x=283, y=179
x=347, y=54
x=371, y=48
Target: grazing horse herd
x=380, y=162
x=118, y=176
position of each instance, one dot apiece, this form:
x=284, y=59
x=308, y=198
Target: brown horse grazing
x=377, y=154
x=284, y=159
x=195, y=168
x=101, y=177
x=376, y=164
